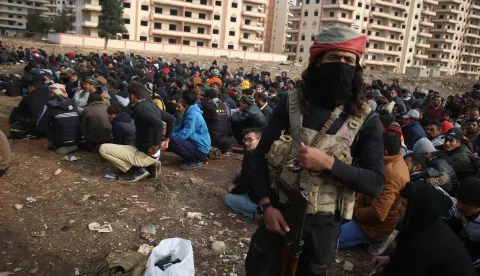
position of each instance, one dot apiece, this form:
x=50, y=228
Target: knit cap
x=393, y=128
x=423, y=146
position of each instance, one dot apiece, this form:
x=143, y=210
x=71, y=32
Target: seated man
x=216, y=114
x=458, y=155
x=141, y=160
x=123, y=126
x=248, y=116
x=190, y=140
x=5, y=153
x=94, y=124
x=375, y=218
x=23, y=118
x=59, y=121
x=238, y=199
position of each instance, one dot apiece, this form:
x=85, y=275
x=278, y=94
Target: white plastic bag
x=179, y=249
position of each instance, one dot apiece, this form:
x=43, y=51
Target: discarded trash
x=65, y=158
x=66, y=228
x=196, y=180
x=18, y=269
x=73, y=158
x=348, y=266
x=76, y=271
x=195, y=215
x=232, y=215
x=145, y=249
x=151, y=210
x=39, y=234
x=164, y=218
x=18, y=206
x=31, y=199
x=201, y=222
x=33, y=271
x=35, y=157
x=238, y=221
x=216, y=223
x=57, y=172
x=147, y=231
x=218, y=247
x=84, y=179
x=110, y=176
x=85, y=197
x=5, y=273
x=95, y=226
x=134, y=196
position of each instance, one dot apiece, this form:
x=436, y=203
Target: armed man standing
x=335, y=149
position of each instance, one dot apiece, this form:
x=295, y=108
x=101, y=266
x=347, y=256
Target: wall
x=94, y=42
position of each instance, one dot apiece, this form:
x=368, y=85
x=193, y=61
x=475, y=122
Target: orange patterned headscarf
x=338, y=38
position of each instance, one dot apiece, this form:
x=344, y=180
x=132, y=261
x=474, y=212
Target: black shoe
x=137, y=175
x=155, y=169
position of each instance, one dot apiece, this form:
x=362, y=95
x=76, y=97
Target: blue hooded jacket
x=193, y=127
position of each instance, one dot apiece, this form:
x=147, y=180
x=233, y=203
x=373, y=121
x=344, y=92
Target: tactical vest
x=326, y=194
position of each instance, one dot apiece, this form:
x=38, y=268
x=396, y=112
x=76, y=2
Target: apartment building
x=233, y=24
x=56, y=6
x=13, y=15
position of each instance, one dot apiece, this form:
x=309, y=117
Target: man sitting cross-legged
x=238, y=199
x=141, y=160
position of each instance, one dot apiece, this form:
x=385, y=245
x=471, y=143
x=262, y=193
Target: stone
x=33, y=271
x=216, y=223
x=18, y=206
x=218, y=247
x=5, y=273
x=57, y=172
x=348, y=266
x=195, y=215
x=245, y=240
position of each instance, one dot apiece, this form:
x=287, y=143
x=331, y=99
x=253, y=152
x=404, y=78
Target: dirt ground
x=50, y=236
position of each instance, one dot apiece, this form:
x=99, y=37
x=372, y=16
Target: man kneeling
x=238, y=199
x=141, y=160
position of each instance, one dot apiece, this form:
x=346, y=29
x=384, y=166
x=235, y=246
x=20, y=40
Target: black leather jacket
x=251, y=116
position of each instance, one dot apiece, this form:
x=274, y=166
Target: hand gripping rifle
x=295, y=217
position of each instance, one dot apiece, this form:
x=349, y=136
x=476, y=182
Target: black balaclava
x=333, y=84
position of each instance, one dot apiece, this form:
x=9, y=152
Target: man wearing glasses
x=238, y=199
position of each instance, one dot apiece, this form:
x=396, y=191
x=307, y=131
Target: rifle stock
x=295, y=217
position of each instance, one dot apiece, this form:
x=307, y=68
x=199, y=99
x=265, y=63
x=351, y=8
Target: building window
x=315, y=13
x=157, y=25
x=214, y=45
x=375, y=46
x=308, y=2
x=305, y=14
x=10, y=16
x=233, y=19
x=173, y=12
x=202, y=16
x=416, y=16
x=418, y=5
x=200, y=43
x=172, y=40
x=373, y=8
x=435, y=45
x=437, y=36
x=234, y=5
x=247, y=21
x=444, y=7
x=144, y=23
x=410, y=50
x=390, y=48
x=365, y=19
x=188, y=14
x=359, y=4
x=218, y=3
x=245, y=48
x=369, y=33
x=157, y=39
x=367, y=45
x=334, y=1
x=186, y=29
x=172, y=27
x=344, y=15
x=143, y=38
x=377, y=33
x=126, y=5
x=186, y=42
x=249, y=8
x=317, y=1
x=216, y=17
x=230, y=47
x=357, y=17
x=371, y=20
x=231, y=33
x=216, y=31
x=157, y=10
x=203, y=2
x=144, y=8
x=127, y=20
x=332, y=14
x=313, y=38
x=392, y=36
x=414, y=28
x=201, y=30
x=246, y=35
x=125, y=36
x=367, y=7
x=301, y=50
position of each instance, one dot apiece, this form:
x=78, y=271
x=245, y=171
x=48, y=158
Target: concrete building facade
x=13, y=15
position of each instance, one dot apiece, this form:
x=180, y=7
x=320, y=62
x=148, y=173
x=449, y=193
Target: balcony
x=470, y=54
x=448, y=11
x=383, y=52
x=422, y=34
x=472, y=26
x=50, y=5
x=379, y=62
x=260, y=2
x=291, y=42
x=6, y=26
x=426, y=24
x=423, y=45
x=295, y=8
x=89, y=24
x=70, y=6
x=386, y=28
x=91, y=8
x=178, y=33
x=13, y=12
x=431, y=2
x=382, y=39
x=474, y=16
x=252, y=28
x=50, y=13
x=294, y=19
x=181, y=19
x=450, y=31
x=389, y=4
x=441, y=40
x=251, y=41
x=12, y=19
x=441, y=50
x=292, y=31
x=451, y=1
x=427, y=12
x=339, y=6
x=472, y=35
x=453, y=21
x=254, y=14
x=25, y=6
x=471, y=63
x=386, y=15
x=183, y=4
x=473, y=6
x=337, y=19
x=439, y=59
x=420, y=56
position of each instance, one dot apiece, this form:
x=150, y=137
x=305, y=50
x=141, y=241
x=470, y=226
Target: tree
x=110, y=21
x=37, y=24
x=63, y=21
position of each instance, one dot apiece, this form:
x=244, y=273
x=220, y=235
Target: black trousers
x=238, y=130
x=220, y=142
x=320, y=235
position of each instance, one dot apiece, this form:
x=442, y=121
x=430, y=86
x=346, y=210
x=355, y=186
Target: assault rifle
x=295, y=218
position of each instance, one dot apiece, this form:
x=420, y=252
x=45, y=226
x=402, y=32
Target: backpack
x=125, y=264
x=158, y=101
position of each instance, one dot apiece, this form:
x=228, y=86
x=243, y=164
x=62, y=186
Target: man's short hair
x=94, y=98
x=138, y=90
x=211, y=94
x=247, y=91
x=257, y=132
x=391, y=143
x=419, y=159
x=189, y=97
x=115, y=109
x=471, y=120
x=261, y=96
x=435, y=123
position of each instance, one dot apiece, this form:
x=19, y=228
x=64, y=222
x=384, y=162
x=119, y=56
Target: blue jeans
x=186, y=149
x=241, y=204
x=351, y=235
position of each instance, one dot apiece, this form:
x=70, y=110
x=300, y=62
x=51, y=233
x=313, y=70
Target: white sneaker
x=380, y=245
